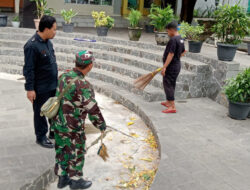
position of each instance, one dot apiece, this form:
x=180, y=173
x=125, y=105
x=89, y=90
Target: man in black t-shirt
x=172, y=65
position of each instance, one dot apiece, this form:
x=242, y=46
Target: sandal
x=169, y=111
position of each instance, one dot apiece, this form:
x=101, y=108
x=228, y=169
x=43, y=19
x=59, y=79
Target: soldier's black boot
x=63, y=181
x=80, y=184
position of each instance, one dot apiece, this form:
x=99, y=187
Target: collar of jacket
x=79, y=73
x=39, y=38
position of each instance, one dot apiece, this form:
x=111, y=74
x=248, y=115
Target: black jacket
x=40, y=68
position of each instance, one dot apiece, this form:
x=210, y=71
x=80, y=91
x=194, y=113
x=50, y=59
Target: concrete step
x=150, y=93
x=111, y=55
x=141, y=49
x=128, y=70
x=112, y=40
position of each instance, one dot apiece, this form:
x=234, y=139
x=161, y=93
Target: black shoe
x=51, y=135
x=80, y=184
x=46, y=143
x=63, y=182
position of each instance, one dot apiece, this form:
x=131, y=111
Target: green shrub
x=232, y=24
x=16, y=19
x=68, y=15
x=161, y=17
x=238, y=89
x=192, y=33
x=134, y=18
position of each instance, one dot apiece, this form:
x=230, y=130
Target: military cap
x=84, y=57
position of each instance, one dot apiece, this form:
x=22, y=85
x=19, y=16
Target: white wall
x=82, y=9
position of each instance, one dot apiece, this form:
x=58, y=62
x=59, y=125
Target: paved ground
x=201, y=148
x=208, y=50
x=21, y=160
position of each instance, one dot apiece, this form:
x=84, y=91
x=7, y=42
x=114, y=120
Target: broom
x=103, y=151
x=142, y=81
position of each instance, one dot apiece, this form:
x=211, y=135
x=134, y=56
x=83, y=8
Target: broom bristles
x=103, y=152
x=144, y=80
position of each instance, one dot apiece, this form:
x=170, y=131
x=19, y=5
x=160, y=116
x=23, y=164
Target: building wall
x=82, y=9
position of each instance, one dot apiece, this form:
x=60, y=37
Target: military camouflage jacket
x=76, y=104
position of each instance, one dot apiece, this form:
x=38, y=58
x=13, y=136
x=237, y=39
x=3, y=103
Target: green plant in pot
x=230, y=28
x=159, y=19
x=134, y=31
x=193, y=35
x=16, y=22
x=103, y=23
x=237, y=91
x=3, y=20
x=41, y=9
x=67, y=15
x=205, y=18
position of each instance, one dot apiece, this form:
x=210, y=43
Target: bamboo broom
x=144, y=80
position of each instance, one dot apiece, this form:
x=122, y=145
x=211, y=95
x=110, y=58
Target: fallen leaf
x=134, y=135
x=130, y=123
x=132, y=118
x=147, y=159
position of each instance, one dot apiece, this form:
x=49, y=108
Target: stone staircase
x=118, y=62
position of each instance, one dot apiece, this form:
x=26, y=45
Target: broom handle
x=156, y=71
x=101, y=137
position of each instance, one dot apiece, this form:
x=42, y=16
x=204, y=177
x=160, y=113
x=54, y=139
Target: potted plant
x=193, y=34
x=230, y=28
x=102, y=23
x=159, y=19
x=3, y=20
x=205, y=18
x=68, y=26
x=237, y=91
x=16, y=22
x=134, y=31
x=41, y=9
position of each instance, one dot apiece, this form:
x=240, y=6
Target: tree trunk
x=187, y=10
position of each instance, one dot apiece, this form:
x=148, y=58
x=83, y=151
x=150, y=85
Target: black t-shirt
x=175, y=46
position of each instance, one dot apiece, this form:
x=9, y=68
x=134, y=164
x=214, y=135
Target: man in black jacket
x=41, y=74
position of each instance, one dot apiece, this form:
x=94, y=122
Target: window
x=92, y=2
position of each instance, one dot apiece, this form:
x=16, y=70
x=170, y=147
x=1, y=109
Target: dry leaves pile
x=137, y=179
x=140, y=178
x=151, y=141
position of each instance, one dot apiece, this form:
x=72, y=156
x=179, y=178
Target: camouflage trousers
x=70, y=150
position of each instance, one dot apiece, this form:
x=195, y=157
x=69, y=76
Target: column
x=17, y=4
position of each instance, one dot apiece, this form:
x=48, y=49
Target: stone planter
x=134, y=33
x=226, y=52
x=161, y=38
x=102, y=31
x=37, y=21
x=248, y=48
x=207, y=23
x=15, y=24
x=68, y=28
x=149, y=28
x=194, y=46
x=239, y=111
x=3, y=20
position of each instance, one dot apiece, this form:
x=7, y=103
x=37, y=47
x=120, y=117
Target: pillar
x=17, y=4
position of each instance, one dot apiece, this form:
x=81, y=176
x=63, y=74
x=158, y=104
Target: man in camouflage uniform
x=68, y=125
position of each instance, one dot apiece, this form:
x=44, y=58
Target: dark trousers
x=169, y=81
x=40, y=123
